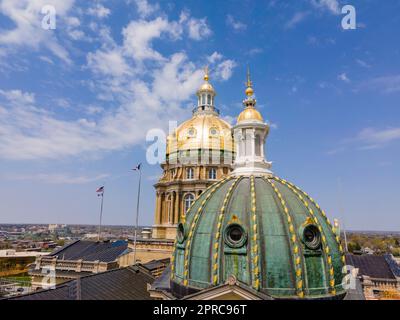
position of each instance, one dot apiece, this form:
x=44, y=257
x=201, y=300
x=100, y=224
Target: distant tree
x=353, y=246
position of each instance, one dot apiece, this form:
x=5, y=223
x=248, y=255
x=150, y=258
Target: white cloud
x=26, y=16
x=30, y=132
x=376, y=138
x=145, y=8
x=139, y=34
x=216, y=56
x=330, y=5
x=136, y=101
x=236, y=25
x=224, y=69
x=99, y=11
x=46, y=59
x=198, y=29
x=18, y=97
x=385, y=84
x=254, y=51
x=362, y=63
x=108, y=62
x=296, y=19
x=343, y=77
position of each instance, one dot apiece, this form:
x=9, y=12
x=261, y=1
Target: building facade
x=199, y=152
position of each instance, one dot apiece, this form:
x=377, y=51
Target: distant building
x=379, y=276
x=78, y=259
x=14, y=262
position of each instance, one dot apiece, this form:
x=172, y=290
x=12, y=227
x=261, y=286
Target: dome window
x=235, y=236
x=192, y=132
x=213, y=131
x=181, y=233
x=311, y=237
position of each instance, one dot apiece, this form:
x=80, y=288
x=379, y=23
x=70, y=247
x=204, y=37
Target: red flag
x=100, y=190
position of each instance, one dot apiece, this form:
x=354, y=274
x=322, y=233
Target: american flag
x=137, y=167
x=100, y=191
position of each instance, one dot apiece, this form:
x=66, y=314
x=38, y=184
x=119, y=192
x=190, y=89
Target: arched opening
x=168, y=204
x=258, y=145
x=209, y=99
x=188, y=201
x=212, y=174
x=189, y=173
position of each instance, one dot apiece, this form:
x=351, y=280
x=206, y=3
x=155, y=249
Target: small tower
x=205, y=96
x=250, y=133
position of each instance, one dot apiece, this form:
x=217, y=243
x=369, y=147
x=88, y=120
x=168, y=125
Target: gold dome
x=203, y=131
x=206, y=87
x=249, y=114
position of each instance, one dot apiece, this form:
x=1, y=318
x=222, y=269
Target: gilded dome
x=206, y=87
x=248, y=114
x=267, y=233
x=202, y=131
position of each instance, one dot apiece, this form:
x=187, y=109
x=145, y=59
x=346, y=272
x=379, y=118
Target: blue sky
x=76, y=102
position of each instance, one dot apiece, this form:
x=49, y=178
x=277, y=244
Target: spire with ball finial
x=206, y=73
x=249, y=90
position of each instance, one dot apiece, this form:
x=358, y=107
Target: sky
x=77, y=101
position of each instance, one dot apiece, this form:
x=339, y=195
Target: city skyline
x=76, y=102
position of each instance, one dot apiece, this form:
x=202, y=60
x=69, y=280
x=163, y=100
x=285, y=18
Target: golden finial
x=249, y=90
x=206, y=73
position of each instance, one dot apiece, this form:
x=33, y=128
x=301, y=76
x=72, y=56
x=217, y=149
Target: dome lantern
x=206, y=94
x=250, y=134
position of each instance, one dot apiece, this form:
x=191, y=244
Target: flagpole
x=101, y=215
x=137, y=217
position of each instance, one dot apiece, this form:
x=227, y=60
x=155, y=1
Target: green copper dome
x=264, y=231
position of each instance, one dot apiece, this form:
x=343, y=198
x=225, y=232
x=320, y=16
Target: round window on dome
x=180, y=233
x=213, y=131
x=311, y=237
x=192, y=132
x=235, y=236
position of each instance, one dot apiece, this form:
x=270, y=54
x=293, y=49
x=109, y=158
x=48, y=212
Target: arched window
x=189, y=199
x=169, y=208
x=189, y=173
x=212, y=174
x=209, y=99
x=258, y=145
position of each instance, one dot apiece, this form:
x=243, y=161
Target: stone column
x=156, y=214
x=177, y=211
x=171, y=209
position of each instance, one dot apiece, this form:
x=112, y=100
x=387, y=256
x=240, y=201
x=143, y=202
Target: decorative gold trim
x=315, y=220
x=254, y=253
x=293, y=244
x=218, y=233
x=193, y=227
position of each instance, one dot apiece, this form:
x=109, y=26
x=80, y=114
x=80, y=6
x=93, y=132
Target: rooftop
x=91, y=250
x=128, y=283
x=374, y=266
